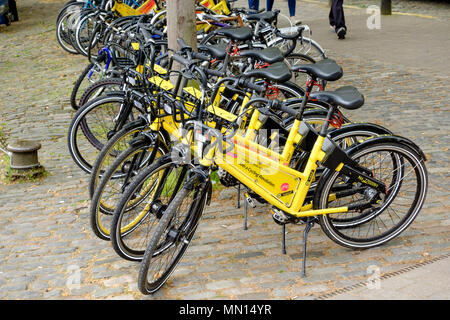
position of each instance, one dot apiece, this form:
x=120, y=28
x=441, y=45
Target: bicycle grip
x=146, y=34
x=256, y=87
x=287, y=110
x=158, y=33
x=291, y=37
x=181, y=60
x=200, y=56
x=213, y=72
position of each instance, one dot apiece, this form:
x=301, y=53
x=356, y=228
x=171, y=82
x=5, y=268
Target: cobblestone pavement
x=46, y=245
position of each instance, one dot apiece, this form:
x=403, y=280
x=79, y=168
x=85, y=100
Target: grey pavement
x=47, y=250
x=417, y=284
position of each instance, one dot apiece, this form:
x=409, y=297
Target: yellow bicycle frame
x=220, y=7
x=125, y=10
x=267, y=172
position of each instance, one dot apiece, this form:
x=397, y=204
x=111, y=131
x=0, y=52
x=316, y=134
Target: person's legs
x=337, y=15
x=291, y=5
x=337, y=12
x=331, y=18
x=253, y=4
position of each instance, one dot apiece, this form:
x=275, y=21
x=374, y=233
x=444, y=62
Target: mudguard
x=387, y=138
x=356, y=126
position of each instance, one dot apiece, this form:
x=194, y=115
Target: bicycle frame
x=125, y=10
x=221, y=7
x=268, y=174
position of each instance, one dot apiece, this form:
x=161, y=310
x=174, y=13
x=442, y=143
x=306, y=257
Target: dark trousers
x=254, y=4
x=13, y=9
x=336, y=16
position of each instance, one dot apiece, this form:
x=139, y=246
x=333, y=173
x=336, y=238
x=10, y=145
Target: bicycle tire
x=85, y=158
x=63, y=32
x=157, y=250
x=105, y=197
x=82, y=25
x=76, y=88
x=118, y=143
x=99, y=88
x=169, y=177
x=409, y=156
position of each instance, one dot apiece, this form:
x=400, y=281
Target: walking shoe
x=333, y=28
x=341, y=33
x=294, y=21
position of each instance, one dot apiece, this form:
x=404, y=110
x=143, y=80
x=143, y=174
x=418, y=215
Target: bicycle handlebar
x=250, y=85
x=291, y=37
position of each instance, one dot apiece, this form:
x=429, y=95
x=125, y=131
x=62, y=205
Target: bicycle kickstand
x=238, y=204
x=283, y=239
x=245, y=214
x=248, y=201
x=309, y=225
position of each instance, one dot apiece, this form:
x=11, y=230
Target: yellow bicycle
x=368, y=194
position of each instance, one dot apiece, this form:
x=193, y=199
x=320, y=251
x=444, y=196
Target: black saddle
x=241, y=34
x=277, y=72
x=268, y=16
x=270, y=55
x=326, y=69
x=347, y=97
x=218, y=51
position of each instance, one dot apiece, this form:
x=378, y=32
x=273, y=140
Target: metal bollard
x=23, y=154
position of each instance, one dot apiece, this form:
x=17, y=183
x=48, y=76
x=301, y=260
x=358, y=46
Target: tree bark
x=181, y=23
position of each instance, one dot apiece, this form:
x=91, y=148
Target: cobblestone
x=45, y=237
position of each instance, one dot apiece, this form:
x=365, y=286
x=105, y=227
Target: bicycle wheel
x=403, y=171
x=310, y=48
x=90, y=75
x=133, y=224
x=84, y=31
x=94, y=124
x=116, y=145
x=171, y=238
x=65, y=28
x=99, y=88
x=284, y=91
x=114, y=181
x=67, y=6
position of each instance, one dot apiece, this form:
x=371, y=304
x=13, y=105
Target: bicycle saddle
x=277, y=72
x=218, y=51
x=347, y=97
x=270, y=55
x=326, y=69
x=242, y=33
x=268, y=16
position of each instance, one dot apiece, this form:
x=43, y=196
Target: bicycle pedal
x=279, y=216
x=250, y=200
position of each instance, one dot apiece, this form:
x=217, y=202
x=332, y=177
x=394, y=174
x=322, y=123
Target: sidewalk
x=428, y=282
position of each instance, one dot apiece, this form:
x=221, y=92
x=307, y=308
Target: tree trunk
x=386, y=7
x=181, y=23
